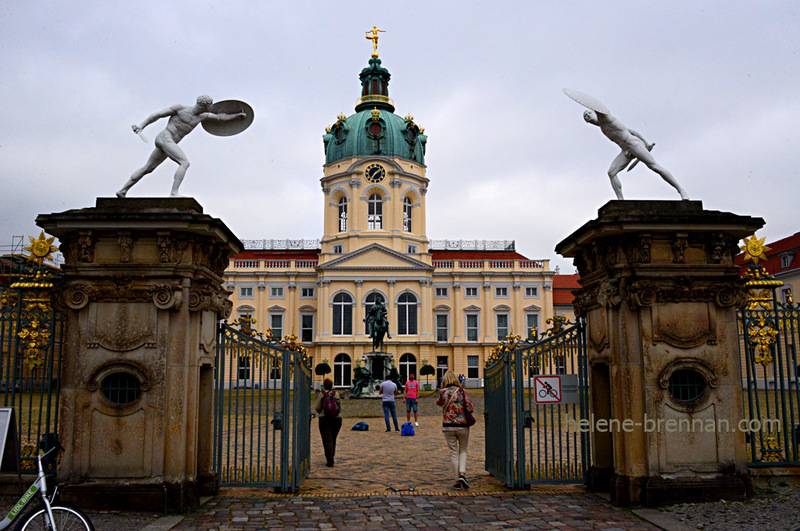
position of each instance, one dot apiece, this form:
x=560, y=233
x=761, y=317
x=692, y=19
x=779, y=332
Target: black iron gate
x=536, y=396
x=31, y=333
x=262, y=410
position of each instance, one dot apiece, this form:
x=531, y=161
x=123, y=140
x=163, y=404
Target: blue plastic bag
x=360, y=426
x=407, y=429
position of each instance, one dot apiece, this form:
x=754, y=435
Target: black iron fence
x=536, y=396
x=262, y=410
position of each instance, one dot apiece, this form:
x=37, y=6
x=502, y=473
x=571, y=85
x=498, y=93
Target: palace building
x=449, y=302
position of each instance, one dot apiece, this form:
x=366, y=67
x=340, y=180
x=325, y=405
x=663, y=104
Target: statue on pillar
x=377, y=324
x=634, y=146
x=182, y=121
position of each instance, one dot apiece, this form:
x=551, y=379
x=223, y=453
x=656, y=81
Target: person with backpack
x=328, y=408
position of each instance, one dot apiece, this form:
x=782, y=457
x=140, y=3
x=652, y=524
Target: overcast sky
x=716, y=85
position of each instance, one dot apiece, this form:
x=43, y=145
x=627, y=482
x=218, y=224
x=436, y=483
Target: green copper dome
x=374, y=129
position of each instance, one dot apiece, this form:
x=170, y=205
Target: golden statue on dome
x=372, y=35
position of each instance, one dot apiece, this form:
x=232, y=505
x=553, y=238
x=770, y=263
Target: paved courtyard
x=386, y=480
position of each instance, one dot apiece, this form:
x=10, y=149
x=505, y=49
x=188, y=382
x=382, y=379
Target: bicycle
x=47, y=516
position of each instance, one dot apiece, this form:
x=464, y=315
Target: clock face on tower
x=374, y=173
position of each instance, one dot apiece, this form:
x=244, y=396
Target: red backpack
x=330, y=405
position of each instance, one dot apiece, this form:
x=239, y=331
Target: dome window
x=375, y=129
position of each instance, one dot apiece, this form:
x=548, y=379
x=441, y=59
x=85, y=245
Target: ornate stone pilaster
x=659, y=291
x=143, y=292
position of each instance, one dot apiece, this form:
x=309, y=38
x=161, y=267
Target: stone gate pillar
x=143, y=291
x=659, y=292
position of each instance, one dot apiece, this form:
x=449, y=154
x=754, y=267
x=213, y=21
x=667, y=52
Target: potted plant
x=427, y=370
x=322, y=368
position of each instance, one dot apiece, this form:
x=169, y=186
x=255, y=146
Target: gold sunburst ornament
x=41, y=249
x=754, y=249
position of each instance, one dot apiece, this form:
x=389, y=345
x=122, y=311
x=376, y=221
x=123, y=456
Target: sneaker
x=463, y=482
x=416, y=424
x=387, y=431
x=457, y=485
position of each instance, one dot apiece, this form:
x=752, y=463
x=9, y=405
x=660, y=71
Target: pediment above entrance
x=375, y=256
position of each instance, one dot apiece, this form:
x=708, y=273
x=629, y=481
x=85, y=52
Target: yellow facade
x=449, y=302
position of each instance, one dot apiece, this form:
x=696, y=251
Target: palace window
x=276, y=293
x=473, y=364
x=531, y=322
x=408, y=365
x=244, y=311
x=501, y=292
x=407, y=314
x=501, y=319
x=338, y=248
x=472, y=327
x=306, y=293
x=244, y=368
x=531, y=292
x=342, y=370
x=471, y=293
x=440, y=293
x=407, y=214
x=375, y=212
x=246, y=293
x=342, y=314
x=276, y=323
x=411, y=249
x=343, y=214
x=306, y=327
x=442, y=327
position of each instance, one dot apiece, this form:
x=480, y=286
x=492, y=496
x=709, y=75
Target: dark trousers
x=329, y=429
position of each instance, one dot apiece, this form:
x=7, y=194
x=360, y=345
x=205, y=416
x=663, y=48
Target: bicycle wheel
x=66, y=519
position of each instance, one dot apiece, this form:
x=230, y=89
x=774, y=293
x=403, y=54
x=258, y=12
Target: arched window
x=407, y=314
x=368, y=302
x=342, y=314
x=343, y=214
x=342, y=370
x=375, y=212
x=407, y=214
x=408, y=365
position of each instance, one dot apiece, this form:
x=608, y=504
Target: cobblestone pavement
x=383, y=479
x=772, y=508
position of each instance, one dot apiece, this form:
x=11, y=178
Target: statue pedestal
x=143, y=292
x=659, y=292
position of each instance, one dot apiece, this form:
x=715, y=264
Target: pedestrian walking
x=456, y=416
x=329, y=408
x=388, y=392
x=411, y=395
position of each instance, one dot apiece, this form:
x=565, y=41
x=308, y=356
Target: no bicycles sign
x=556, y=389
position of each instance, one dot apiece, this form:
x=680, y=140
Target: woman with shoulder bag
x=328, y=408
x=456, y=419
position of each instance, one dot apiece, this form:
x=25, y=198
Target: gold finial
x=409, y=118
x=375, y=114
x=372, y=35
x=754, y=249
x=41, y=249
x=341, y=116
x=327, y=129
